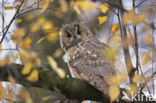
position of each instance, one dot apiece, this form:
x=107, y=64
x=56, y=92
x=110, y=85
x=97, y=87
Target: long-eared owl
x=85, y=57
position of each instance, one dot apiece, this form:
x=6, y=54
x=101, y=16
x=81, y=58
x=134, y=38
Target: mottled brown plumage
x=85, y=56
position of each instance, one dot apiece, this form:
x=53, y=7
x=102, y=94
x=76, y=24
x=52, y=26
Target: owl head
x=73, y=33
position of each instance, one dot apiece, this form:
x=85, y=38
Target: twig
x=109, y=34
x=147, y=80
x=140, y=67
x=136, y=49
x=9, y=49
x=3, y=16
x=139, y=4
x=11, y=22
x=131, y=70
x=29, y=6
x=37, y=8
x=136, y=40
x=28, y=11
x=143, y=77
x=113, y=5
x=3, y=30
x=108, y=6
x=153, y=59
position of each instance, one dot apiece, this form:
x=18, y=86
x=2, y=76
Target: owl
x=85, y=56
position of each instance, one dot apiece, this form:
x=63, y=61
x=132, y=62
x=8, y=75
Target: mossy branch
x=70, y=87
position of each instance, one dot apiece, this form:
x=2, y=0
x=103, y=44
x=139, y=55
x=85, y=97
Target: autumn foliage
x=31, y=38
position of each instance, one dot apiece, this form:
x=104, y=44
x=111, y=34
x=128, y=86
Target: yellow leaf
x=17, y=36
x=40, y=40
x=85, y=5
x=61, y=73
x=23, y=52
x=5, y=60
x=72, y=3
x=33, y=77
x=64, y=5
x=113, y=80
x=30, y=56
x=29, y=100
x=52, y=36
x=20, y=32
x=45, y=6
x=148, y=39
x=128, y=16
x=131, y=17
x=11, y=96
x=138, y=18
x=104, y=8
x=137, y=78
x=30, y=16
x=102, y=19
x=116, y=38
x=110, y=53
x=59, y=33
x=46, y=98
x=23, y=95
x=35, y=28
x=133, y=89
x=121, y=77
x=35, y=61
x=77, y=10
x=18, y=20
x=113, y=92
x=115, y=28
x=41, y=20
x=12, y=81
x=117, y=80
x=47, y=26
x=27, y=42
x=24, y=55
x=2, y=92
x=146, y=59
x=27, y=68
x=52, y=63
x=2, y=62
x=8, y=7
x=57, y=53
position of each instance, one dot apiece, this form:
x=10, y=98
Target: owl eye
x=68, y=35
x=78, y=30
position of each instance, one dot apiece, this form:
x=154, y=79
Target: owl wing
x=90, y=66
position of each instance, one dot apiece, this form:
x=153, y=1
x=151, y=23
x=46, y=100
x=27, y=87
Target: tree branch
x=131, y=70
x=7, y=27
x=72, y=88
